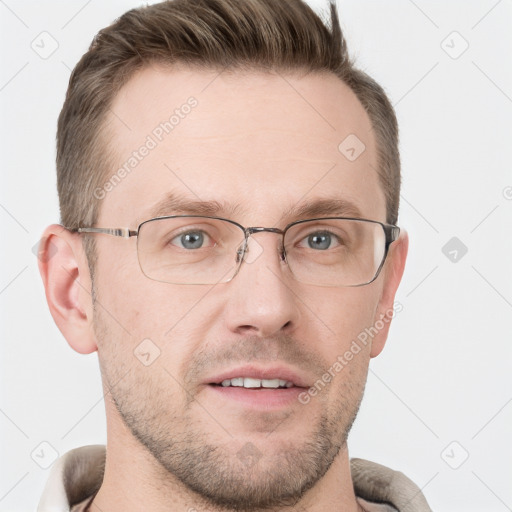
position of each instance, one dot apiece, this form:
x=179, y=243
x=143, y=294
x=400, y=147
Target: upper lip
x=257, y=372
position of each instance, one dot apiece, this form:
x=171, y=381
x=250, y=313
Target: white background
x=445, y=374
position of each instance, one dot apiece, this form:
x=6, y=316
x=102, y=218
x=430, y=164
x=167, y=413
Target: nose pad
x=240, y=252
x=253, y=250
x=249, y=251
x=282, y=254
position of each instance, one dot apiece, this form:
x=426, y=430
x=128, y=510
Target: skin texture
x=261, y=144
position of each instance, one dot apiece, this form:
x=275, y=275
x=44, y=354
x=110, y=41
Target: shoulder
x=73, y=478
x=377, y=483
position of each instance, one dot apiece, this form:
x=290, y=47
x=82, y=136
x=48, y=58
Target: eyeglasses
x=196, y=249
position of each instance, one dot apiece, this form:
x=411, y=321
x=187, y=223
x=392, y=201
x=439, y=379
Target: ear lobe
x=65, y=274
x=393, y=272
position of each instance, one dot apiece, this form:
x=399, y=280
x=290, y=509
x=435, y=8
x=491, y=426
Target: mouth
x=259, y=388
x=251, y=383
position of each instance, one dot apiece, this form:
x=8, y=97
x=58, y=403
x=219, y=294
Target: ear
x=386, y=309
x=68, y=287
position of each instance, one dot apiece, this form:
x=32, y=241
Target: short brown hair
x=283, y=35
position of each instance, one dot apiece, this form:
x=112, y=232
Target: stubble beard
x=211, y=471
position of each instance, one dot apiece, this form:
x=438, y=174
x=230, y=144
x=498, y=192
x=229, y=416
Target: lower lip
x=262, y=398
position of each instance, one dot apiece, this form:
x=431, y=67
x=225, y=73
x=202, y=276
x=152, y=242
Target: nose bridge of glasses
x=247, y=254
x=251, y=231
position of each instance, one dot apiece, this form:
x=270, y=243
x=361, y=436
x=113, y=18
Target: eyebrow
x=325, y=207
x=175, y=204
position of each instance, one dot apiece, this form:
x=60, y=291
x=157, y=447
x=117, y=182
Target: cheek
x=340, y=315
x=142, y=306
x=144, y=340
x=147, y=320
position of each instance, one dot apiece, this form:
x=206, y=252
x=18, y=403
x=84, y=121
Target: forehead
x=259, y=143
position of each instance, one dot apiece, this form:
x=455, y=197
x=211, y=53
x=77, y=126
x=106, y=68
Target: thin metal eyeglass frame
x=391, y=232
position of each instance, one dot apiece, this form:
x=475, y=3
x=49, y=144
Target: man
x=229, y=188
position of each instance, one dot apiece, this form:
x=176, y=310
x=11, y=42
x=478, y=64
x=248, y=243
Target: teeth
x=249, y=382
x=270, y=383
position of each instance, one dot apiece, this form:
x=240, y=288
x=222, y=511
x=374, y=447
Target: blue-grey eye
x=320, y=241
x=191, y=240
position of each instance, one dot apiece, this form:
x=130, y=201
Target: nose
x=261, y=300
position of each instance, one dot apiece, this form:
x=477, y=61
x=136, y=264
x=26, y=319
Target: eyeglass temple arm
x=124, y=232
x=392, y=233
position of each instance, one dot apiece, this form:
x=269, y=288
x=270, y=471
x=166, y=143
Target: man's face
x=260, y=145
